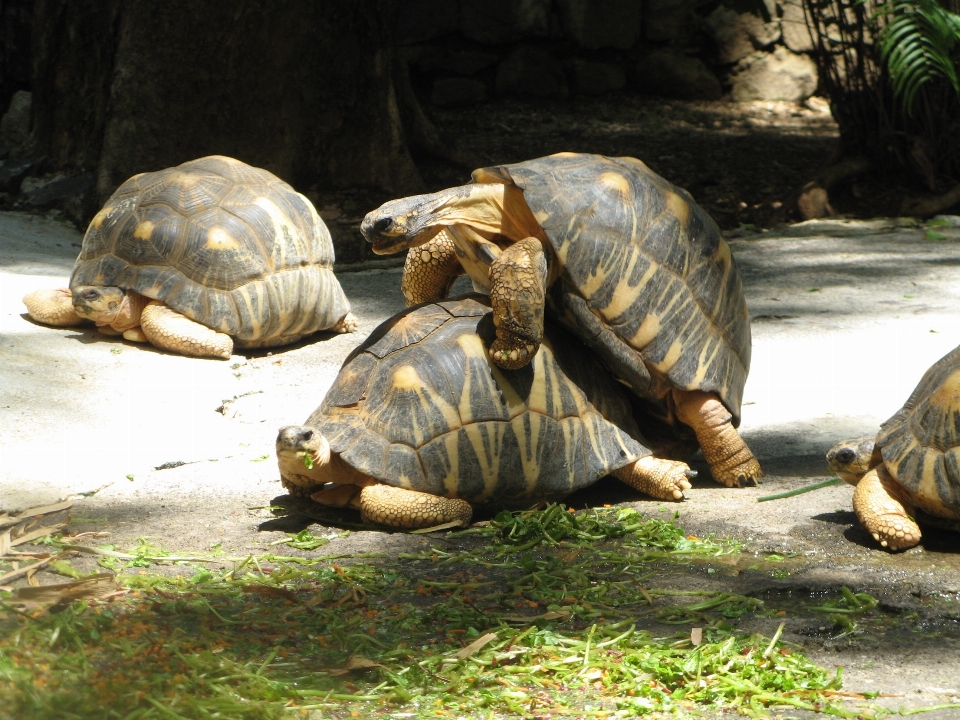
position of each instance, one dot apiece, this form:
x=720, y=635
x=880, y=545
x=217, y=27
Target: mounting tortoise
x=911, y=470
x=420, y=425
x=627, y=261
x=202, y=256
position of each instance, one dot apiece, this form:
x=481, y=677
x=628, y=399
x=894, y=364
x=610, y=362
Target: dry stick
x=27, y=568
x=800, y=491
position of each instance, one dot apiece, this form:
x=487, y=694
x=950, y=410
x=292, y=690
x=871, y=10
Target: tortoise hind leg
x=518, y=286
x=52, y=307
x=430, y=270
x=662, y=479
x=409, y=509
x=876, y=503
x=169, y=330
x=730, y=460
x=347, y=324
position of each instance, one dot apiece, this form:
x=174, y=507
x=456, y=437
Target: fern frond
x=919, y=44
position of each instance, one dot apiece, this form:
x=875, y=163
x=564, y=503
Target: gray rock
x=780, y=75
x=596, y=78
x=15, y=124
x=422, y=20
x=531, y=72
x=60, y=189
x=793, y=25
x=12, y=175
x=739, y=34
x=669, y=20
x=598, y=24
x=670, y=73
x=495, y=22
x=458, y=91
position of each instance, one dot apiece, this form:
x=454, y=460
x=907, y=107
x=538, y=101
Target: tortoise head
x=409, y=222
x=100, y=304
x=851, y=459
x=303, y=455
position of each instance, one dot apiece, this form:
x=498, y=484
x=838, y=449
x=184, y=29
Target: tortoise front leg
x=410, y=509
x=169, y=330
x=730, y=460
x=52, y=307
x=876, y=503
x=662, y=479
x=518, y=286
x=430, y=270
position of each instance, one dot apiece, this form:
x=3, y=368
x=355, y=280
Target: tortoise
x=420, y=425
x=910, y=471
x=201, y=257
x=626, y=260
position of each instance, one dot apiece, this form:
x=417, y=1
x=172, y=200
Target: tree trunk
x=303, y=89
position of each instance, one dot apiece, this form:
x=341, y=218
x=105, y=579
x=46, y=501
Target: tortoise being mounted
x=420, y=425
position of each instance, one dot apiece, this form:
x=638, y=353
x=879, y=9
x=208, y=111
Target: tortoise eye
x=91, y=295
x=383, y=224
x=846, y=455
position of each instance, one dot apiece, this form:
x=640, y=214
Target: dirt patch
x=740, y=161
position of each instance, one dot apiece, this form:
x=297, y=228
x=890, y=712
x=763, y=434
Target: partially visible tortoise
x=201, y=257
x=623, y=258
x=420, y=425
x=911, y=470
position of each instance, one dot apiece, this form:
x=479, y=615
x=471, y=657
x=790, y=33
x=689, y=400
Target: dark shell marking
x=429, y=411
x=920, y=444
x=228, y=245
x=648, y=282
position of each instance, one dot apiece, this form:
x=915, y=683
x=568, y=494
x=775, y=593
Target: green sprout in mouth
x=308, y=461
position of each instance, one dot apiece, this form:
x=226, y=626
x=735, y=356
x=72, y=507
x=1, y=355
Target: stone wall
x=466, y=51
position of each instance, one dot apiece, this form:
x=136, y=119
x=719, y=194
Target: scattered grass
x=542, y=619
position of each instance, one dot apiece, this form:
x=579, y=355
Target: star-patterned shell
x=920, y=444
x=420, y=405
x=228, y=245
x=647, y=281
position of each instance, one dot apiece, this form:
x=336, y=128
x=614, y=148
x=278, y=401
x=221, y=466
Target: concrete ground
x=846, y=318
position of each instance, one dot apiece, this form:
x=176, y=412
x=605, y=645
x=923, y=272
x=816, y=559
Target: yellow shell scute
x=618, y=184
x=474, y=383
x=218, y=239
x=948, y=394
x=406, y=377
x=144, y=230
x=677, y=206
x=647, y=331
x=670, y=359
x=99, y=218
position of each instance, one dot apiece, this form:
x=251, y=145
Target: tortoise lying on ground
x=632, y=265
x=911, y=470
x=420, y=424
x=202, y=256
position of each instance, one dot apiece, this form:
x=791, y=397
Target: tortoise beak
x=404, y=223
x=384, y=233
